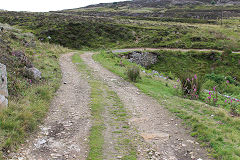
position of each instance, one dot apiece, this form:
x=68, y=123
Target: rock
x=3, y=80
x=3, y=87
x=144, y=59
x=155, y=136
x=3, y=102
x=190, y=141
x=33, y=73
x=40, y=142
x=184, y=145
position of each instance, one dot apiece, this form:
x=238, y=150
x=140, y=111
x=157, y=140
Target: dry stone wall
x=144, y=59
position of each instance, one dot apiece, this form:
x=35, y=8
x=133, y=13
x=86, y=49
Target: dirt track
x=64, y=133
x=155, y=124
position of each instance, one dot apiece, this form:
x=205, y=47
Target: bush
x=133, y=73
x=215, y=77
x=209, y=84
x=229, y=88
x=190, y=85
x=227, y=52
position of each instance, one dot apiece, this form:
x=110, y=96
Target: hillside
x=121, y=32
x=168, y=86
x=200, y=9
x=164, y=3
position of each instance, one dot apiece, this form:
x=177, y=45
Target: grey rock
x=3, y=102
x=3, y=87
x=40, y=142
x=144, y=59
x=33, y=73
x=3, y=80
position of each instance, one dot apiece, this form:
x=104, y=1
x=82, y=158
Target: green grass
x=96, y=132
x=219, y=133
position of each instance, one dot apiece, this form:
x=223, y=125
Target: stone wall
x=145, y=59
x=3, y=87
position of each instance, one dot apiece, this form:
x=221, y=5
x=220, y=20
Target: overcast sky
x=47, y=5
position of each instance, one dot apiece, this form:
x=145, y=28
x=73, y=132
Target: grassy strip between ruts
x=212, y=126
x=101, y=97
x=26, y=111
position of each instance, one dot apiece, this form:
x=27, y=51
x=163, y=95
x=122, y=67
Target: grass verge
x=212, y=126
x=27, y=109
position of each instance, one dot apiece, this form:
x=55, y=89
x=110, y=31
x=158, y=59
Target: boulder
x=3, y=102
x=3, y=80
x=33, y=73
x=3, y=87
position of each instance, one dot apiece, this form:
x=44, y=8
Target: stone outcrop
x=3, y=87
x=33, y=73
x=144, y=59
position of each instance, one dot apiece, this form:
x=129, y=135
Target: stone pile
x=144, y=59
x=3, y=87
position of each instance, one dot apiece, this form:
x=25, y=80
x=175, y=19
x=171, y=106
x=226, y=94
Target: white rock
x=184, y=145
x=40, y=142
x=190, y=141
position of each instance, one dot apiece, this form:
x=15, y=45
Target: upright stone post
x=3, y=87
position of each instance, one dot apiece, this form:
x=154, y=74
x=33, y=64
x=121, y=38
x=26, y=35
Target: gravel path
x=64, y=134
x=156, y=125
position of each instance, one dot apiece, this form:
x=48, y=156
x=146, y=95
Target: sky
x=47, y=5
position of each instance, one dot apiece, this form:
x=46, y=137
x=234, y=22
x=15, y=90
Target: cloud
x=47, y=5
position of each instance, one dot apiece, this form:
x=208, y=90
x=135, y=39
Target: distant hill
x=196, y=9
x=164, y=3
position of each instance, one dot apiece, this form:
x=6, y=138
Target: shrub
x=213, y=96
x=133, y=73
x=227, y=87
x=234, y=106
x=190, y=85
x=215, y=77
x=209, y=84
x=226, y=53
